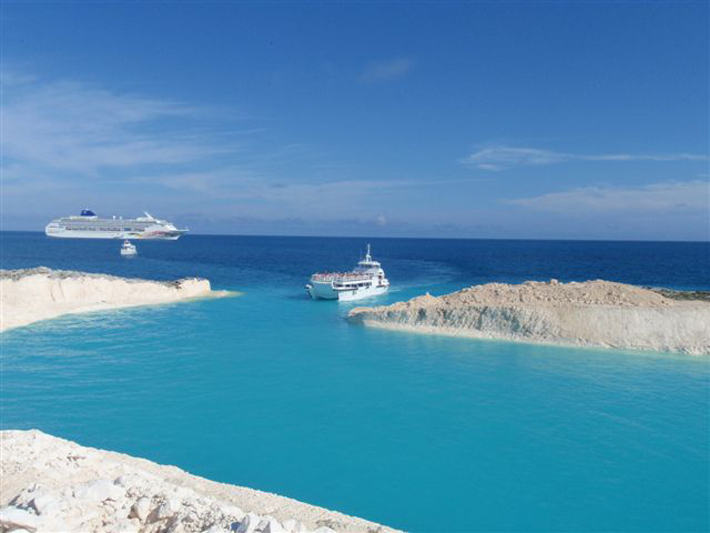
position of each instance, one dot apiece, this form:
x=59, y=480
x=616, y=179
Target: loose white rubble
x=591, y=313
x=35, y=294
x=51, y=484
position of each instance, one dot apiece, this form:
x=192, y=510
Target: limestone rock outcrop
x=35, y=294
x=50, y=484
x=591, y=313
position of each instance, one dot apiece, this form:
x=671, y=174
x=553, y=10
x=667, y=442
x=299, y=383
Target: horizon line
x=532, y=239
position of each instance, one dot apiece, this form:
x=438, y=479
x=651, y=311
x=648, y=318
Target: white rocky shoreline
x=48, y=484
x=592, y=313
x=34, y=294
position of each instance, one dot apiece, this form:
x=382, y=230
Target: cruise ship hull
x=77, y=234
x=89, y=226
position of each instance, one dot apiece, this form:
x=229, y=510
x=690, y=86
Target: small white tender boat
x=128, y=249
x=366, y=279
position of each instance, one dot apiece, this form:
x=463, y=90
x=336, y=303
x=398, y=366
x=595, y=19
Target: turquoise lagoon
x=426, y=433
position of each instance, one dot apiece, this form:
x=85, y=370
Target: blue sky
x=494, y=120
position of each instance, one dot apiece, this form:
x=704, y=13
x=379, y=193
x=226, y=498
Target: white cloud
x=680, y=196
x=501, y=157
x=306, y=196
x=386, y=70
x=71, y=127
x=66, y=141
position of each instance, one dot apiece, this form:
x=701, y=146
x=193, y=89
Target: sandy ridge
x=30, y=295
x=591, y=313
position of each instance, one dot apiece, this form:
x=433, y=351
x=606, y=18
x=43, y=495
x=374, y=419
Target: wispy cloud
x=381, y=71
x=65, y=126
x=75, y=141
x=501, y=157
x=685, y=196
x=269, y=194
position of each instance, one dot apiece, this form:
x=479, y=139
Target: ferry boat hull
x=357, y=294
x=321, y=291
x=326, y=291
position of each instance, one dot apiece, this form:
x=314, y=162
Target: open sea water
x=426, y=433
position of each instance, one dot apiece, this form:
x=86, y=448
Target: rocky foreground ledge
x=51, y=484
x=592, y=313
x=34, y=294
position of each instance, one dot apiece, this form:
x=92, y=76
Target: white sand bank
x=593, y=313
x=51, y=484
x=30, y=295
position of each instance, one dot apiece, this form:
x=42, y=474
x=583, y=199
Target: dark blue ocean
x=427, y=433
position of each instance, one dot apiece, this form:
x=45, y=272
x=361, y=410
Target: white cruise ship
x=89, y=226
x=366, y=279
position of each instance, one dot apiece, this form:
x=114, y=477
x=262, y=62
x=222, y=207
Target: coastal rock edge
x=592, y=313
x=34, y=294
x=51, y=484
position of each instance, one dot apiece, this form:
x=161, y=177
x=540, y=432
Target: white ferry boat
x=89, y=226
x=366, y=279
x=128, y=249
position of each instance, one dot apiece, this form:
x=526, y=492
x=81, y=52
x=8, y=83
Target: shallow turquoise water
x=273, y=391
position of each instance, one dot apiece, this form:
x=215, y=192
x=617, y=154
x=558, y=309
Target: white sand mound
x=51, y=484
x=592, y=313
x=30, y=295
